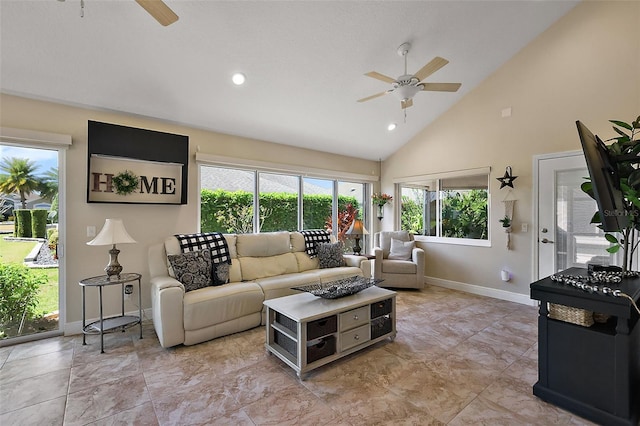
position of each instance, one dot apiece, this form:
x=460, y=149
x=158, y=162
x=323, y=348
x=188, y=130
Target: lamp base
x=356, y=248
x=113, y=269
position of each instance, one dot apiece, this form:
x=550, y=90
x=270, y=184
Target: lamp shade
x=357, y=228
x=113, y=232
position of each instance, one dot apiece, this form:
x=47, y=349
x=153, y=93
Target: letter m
x=148, y=187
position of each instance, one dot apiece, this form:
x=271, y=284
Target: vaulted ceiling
x=304, y=62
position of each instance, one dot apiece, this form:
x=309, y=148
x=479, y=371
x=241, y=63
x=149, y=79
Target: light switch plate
x=91, y=231
x=525, y=227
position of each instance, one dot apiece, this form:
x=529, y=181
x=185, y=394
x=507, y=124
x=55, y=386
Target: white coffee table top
x=306, y=307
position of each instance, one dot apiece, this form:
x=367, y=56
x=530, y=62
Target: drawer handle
x=356, y=337
x=355, y=317
x=321, y=345
x=322, y=323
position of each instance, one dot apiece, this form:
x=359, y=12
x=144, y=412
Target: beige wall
x=147, y=224
x=586, y=67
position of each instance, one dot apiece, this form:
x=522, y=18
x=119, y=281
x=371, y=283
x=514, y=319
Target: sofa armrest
x=359, y=262
x=353, y=260
x=377, y=263
x=167, y=308
x=418, y=256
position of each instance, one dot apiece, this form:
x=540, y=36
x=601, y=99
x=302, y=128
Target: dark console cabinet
x=591, y=371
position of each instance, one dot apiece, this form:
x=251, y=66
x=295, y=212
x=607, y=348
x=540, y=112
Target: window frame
x=258, y=167
x=419, y=182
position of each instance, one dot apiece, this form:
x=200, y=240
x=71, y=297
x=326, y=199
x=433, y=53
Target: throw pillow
x=330, y=255
x=401, y=250
x=220, y=273
x=192, y=269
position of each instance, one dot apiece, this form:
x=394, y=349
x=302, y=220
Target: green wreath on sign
x=125, y=182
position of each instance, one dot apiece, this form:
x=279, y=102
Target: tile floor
x=458, y=359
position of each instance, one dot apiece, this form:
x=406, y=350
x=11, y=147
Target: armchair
x=407, y=273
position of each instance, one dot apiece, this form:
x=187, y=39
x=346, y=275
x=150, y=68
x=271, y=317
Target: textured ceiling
x=304, y=62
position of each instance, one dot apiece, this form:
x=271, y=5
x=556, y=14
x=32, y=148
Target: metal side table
x=119, y=321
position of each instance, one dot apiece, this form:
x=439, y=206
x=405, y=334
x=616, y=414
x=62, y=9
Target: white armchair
x=405, y=268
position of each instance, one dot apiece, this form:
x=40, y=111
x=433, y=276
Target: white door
x=564, y=236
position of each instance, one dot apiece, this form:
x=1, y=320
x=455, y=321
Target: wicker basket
x=569, y=314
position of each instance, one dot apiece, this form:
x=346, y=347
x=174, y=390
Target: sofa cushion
x=305, y=262
x=219, y=273
x=192, y=269
x=330, y=255
x=214, y=305
x=262, y=245
x=297, y=242
x=401, y=250
x=332, y=274
x=279, y=286
x=399, y=267
x=172, y=246
x=261, y=267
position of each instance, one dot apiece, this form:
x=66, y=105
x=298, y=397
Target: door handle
x=546, y=241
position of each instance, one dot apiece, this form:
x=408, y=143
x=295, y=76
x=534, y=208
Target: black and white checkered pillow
x=313, y=238
x=214, y=241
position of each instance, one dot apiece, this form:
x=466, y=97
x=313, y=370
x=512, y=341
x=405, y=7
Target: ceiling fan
x=407, y=85
x=156, y=8
x=160, y=11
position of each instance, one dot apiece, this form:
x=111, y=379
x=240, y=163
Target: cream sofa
x=263, y=266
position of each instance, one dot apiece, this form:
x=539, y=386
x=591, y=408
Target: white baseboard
x=482, y=291
x=72, y=328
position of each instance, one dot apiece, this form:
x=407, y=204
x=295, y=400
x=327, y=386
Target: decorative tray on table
x=339, y=288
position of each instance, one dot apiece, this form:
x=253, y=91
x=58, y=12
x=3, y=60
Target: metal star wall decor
x=507, y=179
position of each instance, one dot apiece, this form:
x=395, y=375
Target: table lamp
x=112, y=233
x=357, y=229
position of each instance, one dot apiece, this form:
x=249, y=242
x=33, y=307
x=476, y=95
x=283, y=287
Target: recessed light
x=238, y=79
x=391, y=127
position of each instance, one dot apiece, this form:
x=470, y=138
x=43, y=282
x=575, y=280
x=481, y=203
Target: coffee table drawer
x=354, y=318
x=355, y=337
x=322, y=327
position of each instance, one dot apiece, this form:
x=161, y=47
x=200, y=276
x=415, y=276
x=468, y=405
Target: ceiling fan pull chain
x=82, y=8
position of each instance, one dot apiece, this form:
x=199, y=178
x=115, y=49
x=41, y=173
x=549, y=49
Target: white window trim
x=411, y=181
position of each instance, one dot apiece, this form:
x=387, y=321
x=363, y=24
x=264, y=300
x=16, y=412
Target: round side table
x=111, y=323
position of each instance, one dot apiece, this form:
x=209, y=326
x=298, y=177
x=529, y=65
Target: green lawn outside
x=15, y=252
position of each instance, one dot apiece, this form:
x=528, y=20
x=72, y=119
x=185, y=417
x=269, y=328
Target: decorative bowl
x=339, y=288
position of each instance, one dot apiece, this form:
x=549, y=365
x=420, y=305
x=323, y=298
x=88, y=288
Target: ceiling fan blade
x=378, y=76
x=406, y=103
x=441, y=87
x=368, y=98
x=434, y=65
x=160, y=11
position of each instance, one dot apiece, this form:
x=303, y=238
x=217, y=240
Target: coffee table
x=306, y=331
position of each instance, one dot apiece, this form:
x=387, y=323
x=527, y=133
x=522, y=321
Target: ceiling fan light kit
x=405, y=87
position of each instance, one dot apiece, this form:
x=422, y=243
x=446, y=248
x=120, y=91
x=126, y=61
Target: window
x=447, y=207
x=285, y=202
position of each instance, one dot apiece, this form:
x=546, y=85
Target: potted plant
x=380, y=200
x=625, y=144
x=506, y=223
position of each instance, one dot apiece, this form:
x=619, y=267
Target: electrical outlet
x=525, y=227
x=128, y=289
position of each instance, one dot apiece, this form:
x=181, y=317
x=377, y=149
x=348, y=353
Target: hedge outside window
x=286, y=202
